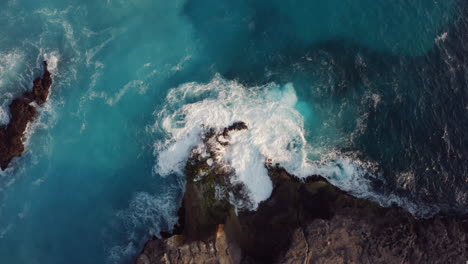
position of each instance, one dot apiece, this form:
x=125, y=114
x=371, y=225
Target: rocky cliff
x=302, y=222
x=22, y=112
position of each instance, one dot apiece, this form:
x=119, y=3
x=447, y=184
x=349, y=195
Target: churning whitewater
x=275, y=134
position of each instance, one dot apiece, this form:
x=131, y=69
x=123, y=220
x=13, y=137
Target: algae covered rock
x=210, y=194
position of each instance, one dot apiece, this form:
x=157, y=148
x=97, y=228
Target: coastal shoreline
x=304, y=221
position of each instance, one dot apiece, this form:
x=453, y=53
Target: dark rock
x=22, y=112
x=42, y=86
x=235, y=126
x=304, y=221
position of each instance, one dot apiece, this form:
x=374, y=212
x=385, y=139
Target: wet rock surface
x=307, y=221
x=22, y=112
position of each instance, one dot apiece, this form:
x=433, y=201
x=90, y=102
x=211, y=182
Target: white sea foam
x=141, y=85
x=275, y=131
x=9, y=61
x=46, y=118
x=146, y=214
x=4, y=116
x=59, y=17
x=4, y=113
x=442, y=37
x=52, y=59
x=9, y=64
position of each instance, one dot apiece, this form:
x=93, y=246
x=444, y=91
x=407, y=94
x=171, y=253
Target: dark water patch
x=405, y=112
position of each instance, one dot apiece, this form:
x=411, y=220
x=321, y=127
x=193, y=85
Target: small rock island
x=22, y=112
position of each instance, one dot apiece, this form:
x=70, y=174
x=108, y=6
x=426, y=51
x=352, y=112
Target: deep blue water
x=384, y=82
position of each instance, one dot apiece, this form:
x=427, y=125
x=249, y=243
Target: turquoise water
x=375, y=80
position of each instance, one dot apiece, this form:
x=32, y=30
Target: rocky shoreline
x=22, y=112
x=307, y=221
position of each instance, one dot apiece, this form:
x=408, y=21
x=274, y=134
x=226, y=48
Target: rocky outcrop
x=307, y=221
x=22, y=112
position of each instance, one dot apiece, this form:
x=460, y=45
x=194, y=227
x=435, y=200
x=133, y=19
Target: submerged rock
x=22, y=112
x=307, y=221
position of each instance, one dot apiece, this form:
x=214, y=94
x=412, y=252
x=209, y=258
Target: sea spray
x=275, y=134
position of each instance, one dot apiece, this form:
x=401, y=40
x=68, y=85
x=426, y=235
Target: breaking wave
x=275, y=133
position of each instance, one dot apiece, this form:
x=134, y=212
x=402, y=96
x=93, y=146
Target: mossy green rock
x=204, y=209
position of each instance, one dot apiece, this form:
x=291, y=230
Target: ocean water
x=372, y=95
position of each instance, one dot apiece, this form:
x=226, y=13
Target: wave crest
x=275, y=133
